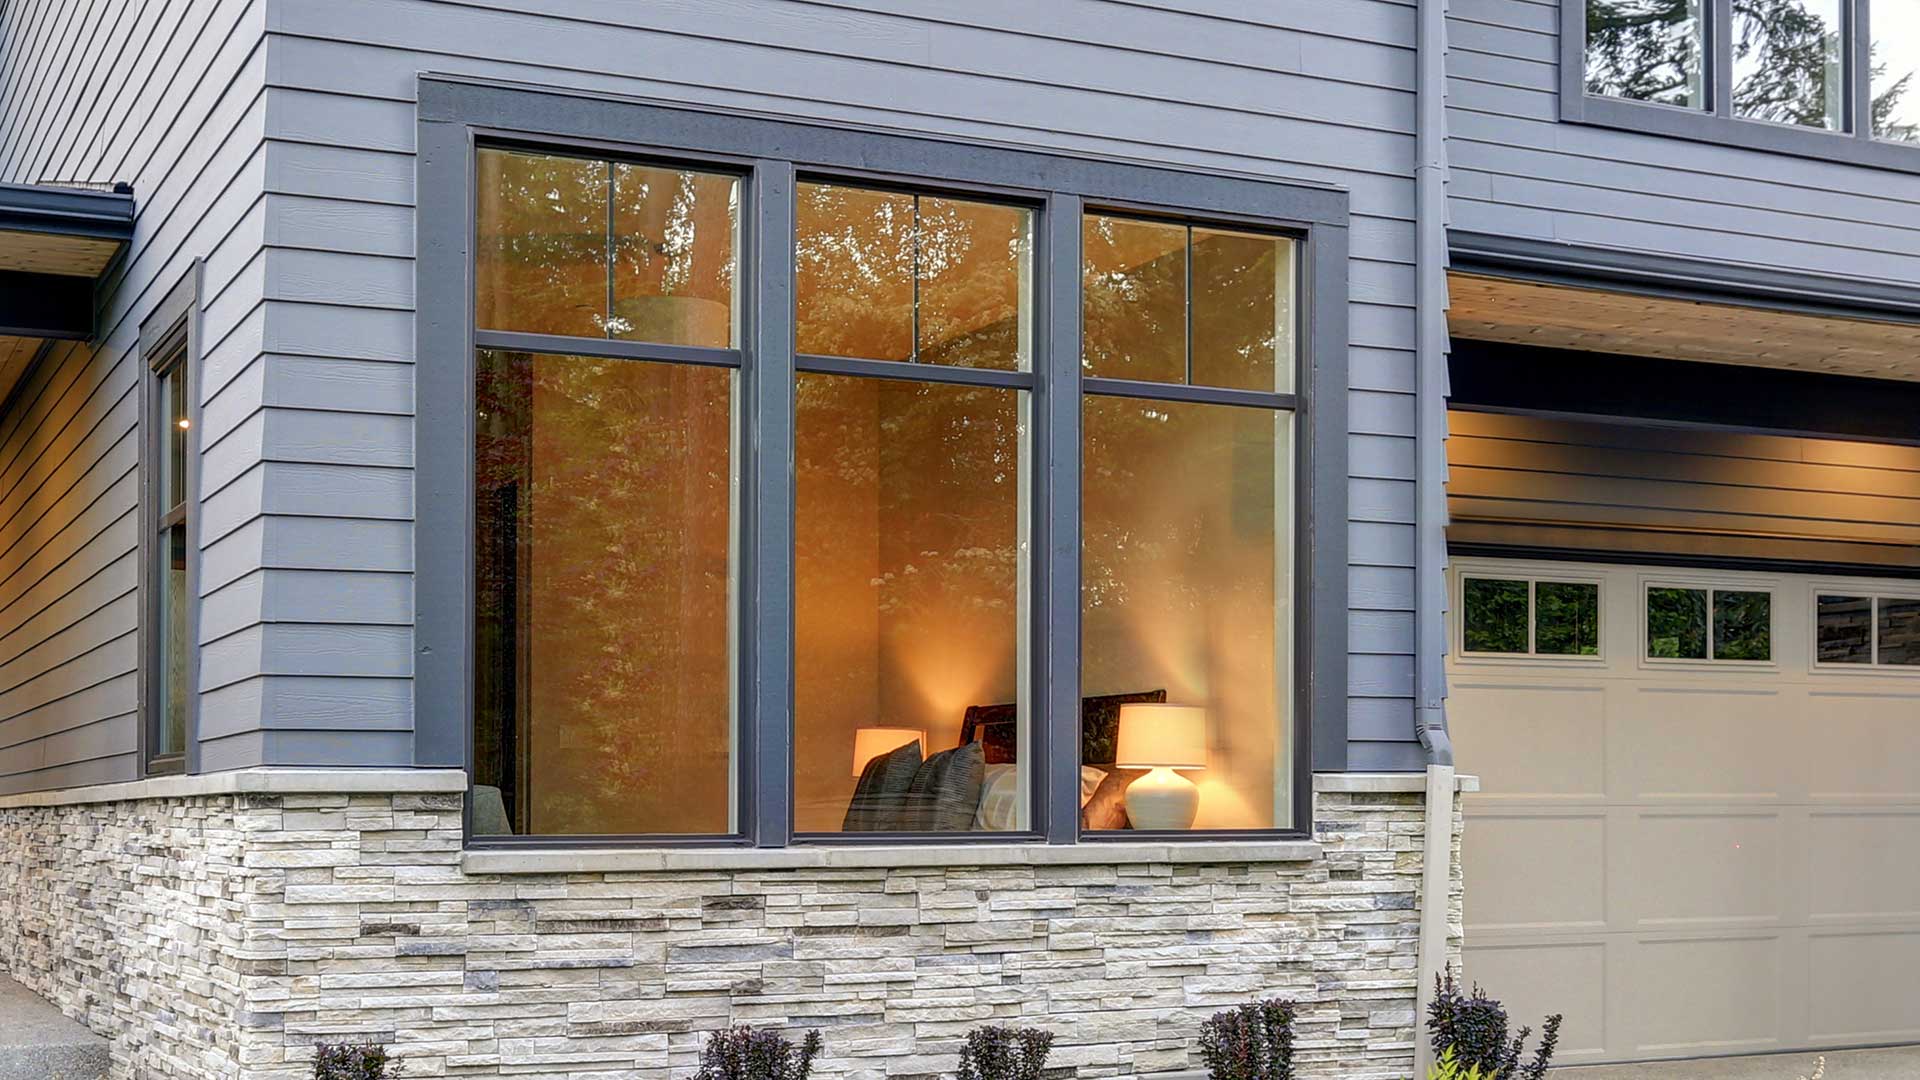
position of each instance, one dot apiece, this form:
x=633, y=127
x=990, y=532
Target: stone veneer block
x=221, y=935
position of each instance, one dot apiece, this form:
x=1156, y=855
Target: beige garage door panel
x=1692, y=859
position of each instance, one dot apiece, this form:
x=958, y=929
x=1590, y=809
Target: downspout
x=1430, y=513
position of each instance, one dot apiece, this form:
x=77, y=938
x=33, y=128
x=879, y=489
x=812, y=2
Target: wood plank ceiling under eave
x=1487, y=308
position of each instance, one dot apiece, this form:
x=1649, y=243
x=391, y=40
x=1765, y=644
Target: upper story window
x=809, y=504
x=1763, y=73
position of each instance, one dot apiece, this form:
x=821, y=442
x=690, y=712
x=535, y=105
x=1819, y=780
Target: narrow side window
x=169, y=452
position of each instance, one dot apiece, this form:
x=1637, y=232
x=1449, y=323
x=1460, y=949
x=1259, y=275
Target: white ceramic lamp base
x=1162, y=799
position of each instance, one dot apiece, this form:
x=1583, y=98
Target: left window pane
x=594, y=248
x=605, y=555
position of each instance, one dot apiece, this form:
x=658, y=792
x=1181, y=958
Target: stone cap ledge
x=629, y=860
x=1413, y=783
x=252, y=782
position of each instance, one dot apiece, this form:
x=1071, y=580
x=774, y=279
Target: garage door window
x=1868, y=630
x=1709, y=624
x=1523, y=617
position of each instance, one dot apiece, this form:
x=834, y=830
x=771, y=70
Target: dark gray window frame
x=169, y=339
x=456, y=115
x=1854, y=145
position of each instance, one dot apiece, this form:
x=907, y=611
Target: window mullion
x=766, y=640
x=1857, y=19
x=1057, y=422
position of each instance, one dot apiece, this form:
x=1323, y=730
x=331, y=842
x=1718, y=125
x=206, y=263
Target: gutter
x=1430, y=511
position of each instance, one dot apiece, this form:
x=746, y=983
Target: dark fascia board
x=1550, y=262
x=102, y=215
x=556, y=112
x=1525, y=379
x=46, y=305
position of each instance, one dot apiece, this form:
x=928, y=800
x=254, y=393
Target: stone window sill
x=631, y=860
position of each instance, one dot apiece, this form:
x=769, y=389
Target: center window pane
x=909, y=606
x=1787, y=62
x=1647, y=50
x=605, y=584
x=886, y=275
x=1186, y=590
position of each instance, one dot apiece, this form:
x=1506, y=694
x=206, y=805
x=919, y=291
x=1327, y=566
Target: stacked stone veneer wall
x=222, y=936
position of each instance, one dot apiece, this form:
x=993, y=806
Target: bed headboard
x=997, y=727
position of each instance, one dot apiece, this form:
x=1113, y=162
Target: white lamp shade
x=1162, y=737
x=871, y=742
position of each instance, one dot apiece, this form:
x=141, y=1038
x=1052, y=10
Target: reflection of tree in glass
x=1886, y=102
x=1567, y=619
x=1496, y=616
x=1646, y=50
x=616, y=583
x=873, y=267
x=1788, y=58
x=1742, y=626
x=543, y=241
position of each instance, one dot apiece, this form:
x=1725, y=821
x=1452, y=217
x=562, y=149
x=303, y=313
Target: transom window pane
x=173, y=488
x=595, y=248
x=1496, y=615
x=1788, y=64
x=885, y=275
x=1844, y=626
x=1896, y=69
x=910, y=556
x=1186, y=590
x=1647, y=50
x=605, y=583
x=1173, y=303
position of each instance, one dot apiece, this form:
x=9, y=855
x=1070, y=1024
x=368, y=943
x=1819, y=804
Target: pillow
x=1090, y=779
x=882, y=789
x=999, y=799
x=945, y=793
x=1107, y=809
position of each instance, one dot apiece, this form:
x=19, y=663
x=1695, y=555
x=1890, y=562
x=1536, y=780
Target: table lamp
x=871, y=742
x=1162, y=738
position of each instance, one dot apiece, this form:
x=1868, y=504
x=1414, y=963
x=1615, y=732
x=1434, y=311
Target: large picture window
x=808, y=504
x=1776, y=74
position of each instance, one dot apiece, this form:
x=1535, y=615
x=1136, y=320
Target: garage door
x=1698, y=831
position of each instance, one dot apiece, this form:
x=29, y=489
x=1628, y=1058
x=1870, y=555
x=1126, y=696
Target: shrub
x=1252, y=1042
x=1005, y=1053
x=1449, y=1068
x=1474, y=1027
x=353, y=1061
x=745, y=1053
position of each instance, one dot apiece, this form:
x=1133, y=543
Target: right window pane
x=1186, y=589
x=1742, y=625
x=1566, y=618
x=1845, y=629
x=1896, y=62
x=1173, y=303
x=1899, y=629
x=1647, y=50
x=1788, y=64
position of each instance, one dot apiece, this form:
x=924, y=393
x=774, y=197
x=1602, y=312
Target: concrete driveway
x=1898, y=1064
